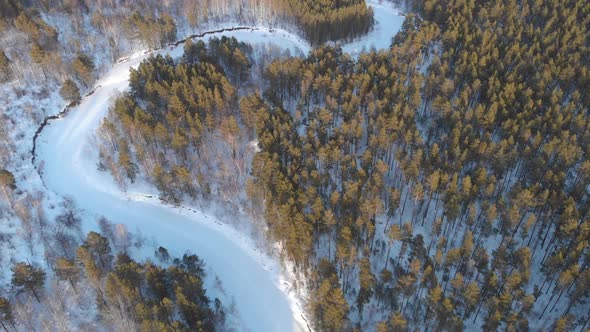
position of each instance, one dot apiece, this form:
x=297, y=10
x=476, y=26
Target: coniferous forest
x=462, y=149
x=442, y=184
x=324, y=20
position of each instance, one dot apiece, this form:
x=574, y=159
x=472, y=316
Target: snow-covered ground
x=67, y=156
x=69, y=169
x=388, y=21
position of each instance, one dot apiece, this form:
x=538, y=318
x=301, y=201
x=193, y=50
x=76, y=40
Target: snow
x=388, y=21
x=69, y=159
x=296, y=45
x=261, y=290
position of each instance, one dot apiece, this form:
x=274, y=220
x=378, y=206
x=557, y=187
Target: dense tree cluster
x=4, y=67
x=443, y=181
x=38, y=31
x=69, y=91
x=49, y=42
x=172, y=110
x=480, y=157
x=154, y=32
x=325, y=20
x=130, y=295
x=83, y=68
x=155, y=23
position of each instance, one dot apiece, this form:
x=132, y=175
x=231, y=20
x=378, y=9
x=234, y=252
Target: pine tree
x=336, y=310
x=394, y=234
x=38, y=55
x=66, y=269
x=83, y=68
x=6, y=316
x=250, y=106
x=398, y=322
x=168, y=29
x=367, y=283
x=5, y=71
x=69, y=91
x=7, y=180
x=28, y=278
x=99, y=249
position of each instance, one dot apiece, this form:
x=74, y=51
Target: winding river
x=66, y=156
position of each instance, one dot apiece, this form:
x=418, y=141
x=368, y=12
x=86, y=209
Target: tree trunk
x=36, y=295
x=401, y=215
x=387, y=256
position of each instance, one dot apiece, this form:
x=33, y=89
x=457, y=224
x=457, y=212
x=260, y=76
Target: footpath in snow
x=261, y=294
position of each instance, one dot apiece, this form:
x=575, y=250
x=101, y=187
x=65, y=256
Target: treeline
x=130, y=295
x=173, y=110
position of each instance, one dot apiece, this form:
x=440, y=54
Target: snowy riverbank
x=262, y=295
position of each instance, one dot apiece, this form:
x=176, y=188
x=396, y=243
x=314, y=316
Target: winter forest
x=294, y=165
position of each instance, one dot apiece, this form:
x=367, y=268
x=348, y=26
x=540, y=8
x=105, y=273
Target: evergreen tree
x=39, y=55
x=6, y=316
x=7, y=180
x=67, y=270
x=26, y=277
x=69, y=91
x=5, y=71
x=96, y=250
x=83, y=68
